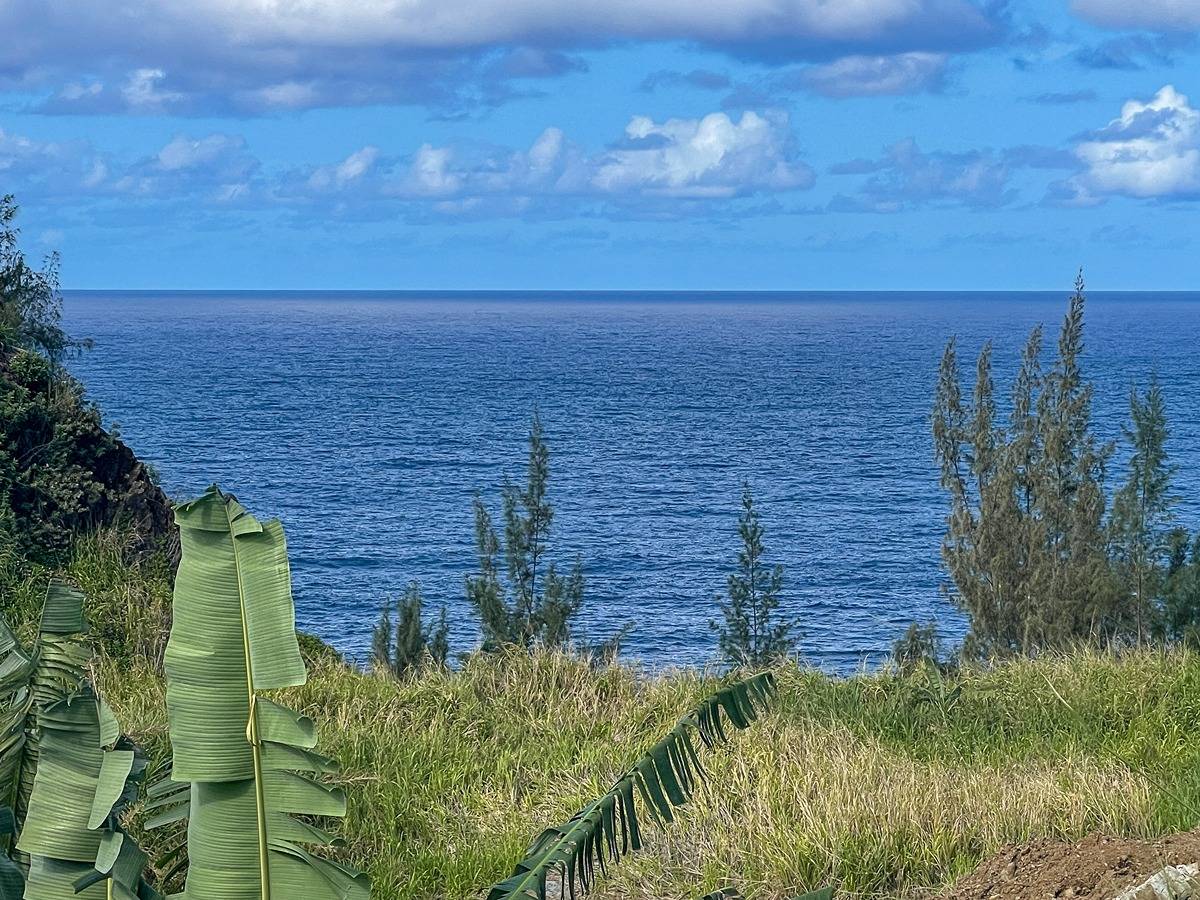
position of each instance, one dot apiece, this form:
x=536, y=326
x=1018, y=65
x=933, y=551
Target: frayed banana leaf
x=660, y=782
x=87, y=776
x=12, y=882
x=243, y=765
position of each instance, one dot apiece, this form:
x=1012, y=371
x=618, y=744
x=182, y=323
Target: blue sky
x=731, y=144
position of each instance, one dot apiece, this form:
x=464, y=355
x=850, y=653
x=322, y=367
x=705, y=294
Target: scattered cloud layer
x=865, y=76
x=1134, y=52
x=227, y=57
x=857, y=75
x=1153, y=15
x=702, y=79
x=906, y=177
x=1063, y=98
x=1152, y=150
x=296, y=81
x=675, y=167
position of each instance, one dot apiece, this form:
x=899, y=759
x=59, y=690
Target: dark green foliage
x=919, y=647
x=534, y=604
x=30, y=301
x=61, y=473
x=659, y=783
x=12, y=882
x=1141, y=514
x=753, y=633
x=1026, y=542
x=316, y=652
x=1180, y=617
x=408, y=645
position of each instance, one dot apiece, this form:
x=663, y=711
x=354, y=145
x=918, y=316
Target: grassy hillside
x=885, y=785
x=865, y=781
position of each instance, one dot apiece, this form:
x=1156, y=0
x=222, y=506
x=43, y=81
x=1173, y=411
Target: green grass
x=885, y=786
x=862, y=782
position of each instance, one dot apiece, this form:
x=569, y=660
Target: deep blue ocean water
x=367, y=423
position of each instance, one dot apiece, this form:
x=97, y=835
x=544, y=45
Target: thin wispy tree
x=753, y=633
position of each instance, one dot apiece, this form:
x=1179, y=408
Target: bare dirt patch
x=1099, y=866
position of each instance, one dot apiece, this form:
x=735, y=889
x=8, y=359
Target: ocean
x=368, y=422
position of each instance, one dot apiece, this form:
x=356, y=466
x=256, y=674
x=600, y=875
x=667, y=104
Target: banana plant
x=32, y=681
x=660, y=782
x=87, y=775
x=242, y=763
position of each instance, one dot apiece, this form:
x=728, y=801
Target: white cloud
x=350, y=170
x=1153, y=15
x=861, y=76
x=709, y=157
x=430, y=175
x=668, y=165
x=142, y=93
x=187, y=153
x=285, y=95
x=1151, y=150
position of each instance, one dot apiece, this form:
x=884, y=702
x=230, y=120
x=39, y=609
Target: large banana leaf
x=245, y=761
x=60, y=672
x=661, y=781
x=29, y=682
x=87, y=775
x=12, y=882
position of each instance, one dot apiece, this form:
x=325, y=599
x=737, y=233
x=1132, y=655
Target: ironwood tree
x=1142, y=512
x=519, y=595
x=1026, y=543
x=406, y=644
x=753, y=633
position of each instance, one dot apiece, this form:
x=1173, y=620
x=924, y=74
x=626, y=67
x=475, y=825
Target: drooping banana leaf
x=87, y=776
x=247, y=760
x=661, y=781
x=12, y=882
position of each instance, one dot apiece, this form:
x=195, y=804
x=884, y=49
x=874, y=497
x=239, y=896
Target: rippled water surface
x=367, y=422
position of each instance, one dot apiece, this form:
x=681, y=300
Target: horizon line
x=547, y=292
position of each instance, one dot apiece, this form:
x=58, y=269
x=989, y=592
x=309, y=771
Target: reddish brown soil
x=1097, y=867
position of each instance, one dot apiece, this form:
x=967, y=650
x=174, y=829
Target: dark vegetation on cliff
x=63, y=476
